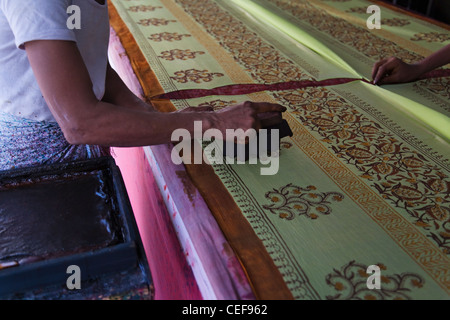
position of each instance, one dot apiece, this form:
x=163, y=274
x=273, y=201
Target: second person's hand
x=394, y=70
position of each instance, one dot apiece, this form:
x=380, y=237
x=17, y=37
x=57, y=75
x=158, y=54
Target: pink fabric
x=172, y=276
x=218, y=272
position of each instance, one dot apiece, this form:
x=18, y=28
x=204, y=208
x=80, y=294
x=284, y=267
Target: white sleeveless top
x=26, y=20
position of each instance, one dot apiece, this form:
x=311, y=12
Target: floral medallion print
x=360, y=10
x=217, y=104
x=143, y=8
x=395, y=22
x=178, y=54
x=168, y=36
x=155, y=22
x=194, y=75
x=291, y=201
x=350, y=283
x=431, y=37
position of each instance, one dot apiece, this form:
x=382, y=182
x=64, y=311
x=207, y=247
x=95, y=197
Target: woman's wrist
x=421, y=67
x=211, y=121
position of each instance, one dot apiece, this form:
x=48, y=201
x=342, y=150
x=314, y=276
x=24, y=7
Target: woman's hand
x=394, y=70
x=243, y=116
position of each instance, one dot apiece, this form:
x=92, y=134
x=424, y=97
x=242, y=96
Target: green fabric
x=296, y=33
x=363, y=181
x=401, y=98
x=435, y=120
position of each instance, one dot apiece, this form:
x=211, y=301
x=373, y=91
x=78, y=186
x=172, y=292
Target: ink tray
x=57, y=217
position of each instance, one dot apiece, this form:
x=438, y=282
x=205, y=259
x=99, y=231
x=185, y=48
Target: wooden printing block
x=272, y=122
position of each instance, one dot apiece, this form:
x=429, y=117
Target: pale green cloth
x=363, y=181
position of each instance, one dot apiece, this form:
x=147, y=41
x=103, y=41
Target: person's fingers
x=376, y=66
x=204, y=109
x=392, y=71
x=385, y=71
x=187, y=109
x=268, y=119
x=380, y=74
x=383, y=80
x=245, y=115
x=389, y=79
x=262, y=107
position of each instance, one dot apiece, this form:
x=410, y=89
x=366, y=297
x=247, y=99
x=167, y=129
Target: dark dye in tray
x=55, y=216
x=59, y=215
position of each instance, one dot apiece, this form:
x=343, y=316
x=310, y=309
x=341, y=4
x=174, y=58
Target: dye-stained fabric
x=26, y=143
x=364, y=180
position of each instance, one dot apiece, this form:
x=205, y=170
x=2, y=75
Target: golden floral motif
x=440, y=86
x=167, y=36
x=360, y=10
x=388, y=147
x=412, y=162
x=395, y=22
x=359, y=153
x=290, y=201
x=217, y=104
x=143, y=8
x=438, y=186
x=438, y=213
x=178, y=54
x=154, y=22
x=285, y=145
x=350, y=282
x=406, y=193
x=431, y=37
x=194, y=75
x=384, y=168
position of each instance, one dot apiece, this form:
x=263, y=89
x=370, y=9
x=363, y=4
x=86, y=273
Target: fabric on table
x=300, y=20
x=25, y=143
x=363, y=181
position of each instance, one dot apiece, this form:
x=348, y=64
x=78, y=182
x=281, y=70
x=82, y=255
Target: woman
x=60, y=100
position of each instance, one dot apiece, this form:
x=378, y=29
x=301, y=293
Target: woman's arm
x=117, y=92
x=394, y=70
x=67, y=89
